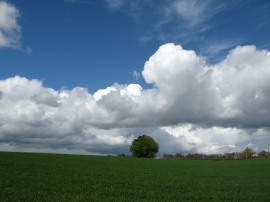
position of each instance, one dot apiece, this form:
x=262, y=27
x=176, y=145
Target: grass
x=56, y=177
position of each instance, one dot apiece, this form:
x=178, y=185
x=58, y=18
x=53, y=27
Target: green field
x=55, y=177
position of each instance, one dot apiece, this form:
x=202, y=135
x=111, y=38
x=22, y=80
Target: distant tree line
x=245, y=154
x=146, y=147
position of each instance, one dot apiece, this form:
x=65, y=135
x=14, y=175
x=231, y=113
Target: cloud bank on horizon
x=192, y=106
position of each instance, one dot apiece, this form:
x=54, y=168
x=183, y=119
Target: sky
x=89, y=76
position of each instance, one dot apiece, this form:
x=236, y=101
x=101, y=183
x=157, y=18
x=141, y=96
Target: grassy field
x=55, y=177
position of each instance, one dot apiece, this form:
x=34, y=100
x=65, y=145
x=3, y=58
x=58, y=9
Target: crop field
x=57, y=177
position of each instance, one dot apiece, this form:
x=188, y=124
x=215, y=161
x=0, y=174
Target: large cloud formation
x=192, y=107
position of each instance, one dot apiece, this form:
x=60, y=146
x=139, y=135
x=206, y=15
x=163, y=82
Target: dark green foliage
x=144, y=147
x=247, y=153
x=54, y=177
x=263, y=154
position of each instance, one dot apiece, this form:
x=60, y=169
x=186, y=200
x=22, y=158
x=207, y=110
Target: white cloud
x=213, y=140
x=185, y=84
x=242, y=76
x=131, y=90
x=192, y=107
x=10, y=31
x=102, y=92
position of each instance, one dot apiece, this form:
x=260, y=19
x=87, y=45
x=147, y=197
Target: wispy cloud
x=195, y=12
x=115, y=4
x=187, y=22
x=177, y=20
x=10, y=30
x=216, y=49
x=136, y=75
x=192, y=11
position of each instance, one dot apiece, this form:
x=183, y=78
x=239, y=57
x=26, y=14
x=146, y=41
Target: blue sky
x=96, y=43
x=89, y=76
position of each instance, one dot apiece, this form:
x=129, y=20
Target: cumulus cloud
x=242, y=79
x=184, y=82
x=192, y=107
x=215, y=140
x=10, y=31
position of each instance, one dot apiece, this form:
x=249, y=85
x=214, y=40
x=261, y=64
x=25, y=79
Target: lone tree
x=246, y=153
x=144, y=147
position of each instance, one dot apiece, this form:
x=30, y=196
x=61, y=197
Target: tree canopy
x=247, y=153
x=144, y=147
